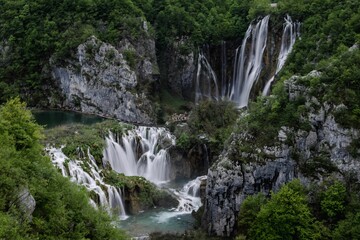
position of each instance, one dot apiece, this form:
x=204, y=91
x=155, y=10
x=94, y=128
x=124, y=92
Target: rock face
x=26, y=204
x=179, y=69
x=323, y=148
x=105, y=81
x=189, y=164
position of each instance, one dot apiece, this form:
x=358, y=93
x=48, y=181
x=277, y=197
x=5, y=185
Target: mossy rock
x=139, y=193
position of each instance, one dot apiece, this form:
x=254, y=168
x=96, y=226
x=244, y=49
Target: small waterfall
x=290, y=33
x=206, y=81
x=189, y=196
x=189, y=200
x=108, y=196
x=248, y=63
x=139, y=153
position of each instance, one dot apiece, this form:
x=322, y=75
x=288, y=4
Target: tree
x=286, y=216
x=248, y=212
x=333, y=201
x=18, y=123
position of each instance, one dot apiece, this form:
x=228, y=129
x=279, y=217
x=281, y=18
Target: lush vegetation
x=296, y=212
x=209, y=122
x=141, y=194
x=62, y=208
x=76, y=136
x=33, y=32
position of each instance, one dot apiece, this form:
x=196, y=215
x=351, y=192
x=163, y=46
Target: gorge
x=179, y=119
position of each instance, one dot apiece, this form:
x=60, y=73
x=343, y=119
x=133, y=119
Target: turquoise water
x=157, y=220
x=53, y=118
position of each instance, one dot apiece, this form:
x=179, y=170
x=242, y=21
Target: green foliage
x=62, y=208
x=248, y=212
x=20, y=124
x=327, y=24
x=259, y=8
x=184, y=141
x=286, y=216
x=333, y=200
x=266, y=116
x=199, y=21
x=215, y=120
x=348, y=228
x=75, y=136
x=38, y=30
x=130, y=57
x=140, y=189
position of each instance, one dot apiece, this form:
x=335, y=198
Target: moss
x=77, y=136
x=139, y=190
x=354, y=148
x=130, y=57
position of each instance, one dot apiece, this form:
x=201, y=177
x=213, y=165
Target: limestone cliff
x=319, y=152
x=109, y=81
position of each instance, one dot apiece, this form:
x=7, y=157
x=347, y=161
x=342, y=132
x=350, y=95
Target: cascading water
x=139, y=153
x=189, y=196
x=248, y=63
x=224, y=84
x=290, y=33
x=108, y=196
x=206, y=81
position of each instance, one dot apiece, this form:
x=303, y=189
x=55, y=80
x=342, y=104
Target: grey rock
x=101, y=82
x=181, y=69
x=231, y=180
x=26, y=203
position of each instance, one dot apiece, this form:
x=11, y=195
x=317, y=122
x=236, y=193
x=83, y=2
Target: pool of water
x=53, y=118
x=157, y=220
x=160, y=219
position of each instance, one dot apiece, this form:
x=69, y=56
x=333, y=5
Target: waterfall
x=248, y=62
x=189, y=196
x=206, y=81
x=108, y=196
x=224, y=83
x=189, y=200
x=290, y=33
x=141, y=152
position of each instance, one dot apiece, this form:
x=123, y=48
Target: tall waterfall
x=224, y=83
x=141, y=152
x=290, y=33
x=248, y=62
x=206, y=81
x=108, y=196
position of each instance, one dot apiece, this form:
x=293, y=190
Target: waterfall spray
x=139, y=153
x=290, y=33
x=108, y=196
x=248, y=63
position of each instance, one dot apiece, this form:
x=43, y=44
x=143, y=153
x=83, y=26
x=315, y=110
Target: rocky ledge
x=101, y=81
x=320, y=152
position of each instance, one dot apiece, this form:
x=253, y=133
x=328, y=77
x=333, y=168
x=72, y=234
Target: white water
x=248, y=64
x=189, y=200
x=189, y=196
x=206, y=81
x=224, y=83
x=108, y=196
x=142, y=151
x=290, y=33
x=139, y=153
